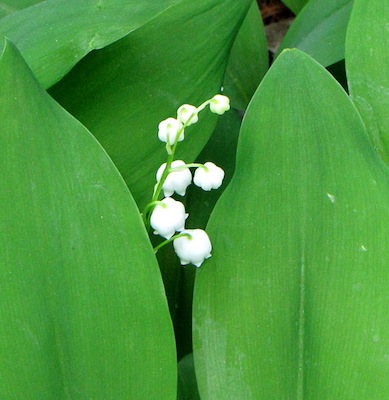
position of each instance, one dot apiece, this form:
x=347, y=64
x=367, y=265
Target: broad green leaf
x=19, y=4
x=293, y=303
x=10, y=6
x=82, y=306
x=367, y=65
x=320, y=30
x=295, y=5
x=122, y=92
x=55, y=34
x=249, y=60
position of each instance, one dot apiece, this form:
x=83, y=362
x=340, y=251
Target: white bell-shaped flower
x=185, y=112
x=176, y=181
x=168, y=217
x=169, y=129
x=219, y=104
x=210, y=178
x=194, y=249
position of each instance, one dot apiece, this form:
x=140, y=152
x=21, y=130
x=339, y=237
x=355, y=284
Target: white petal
x=168, y=218
x=168, y=193
x=176, y=181
x=219, y=104
x=195, y=249
x=168, y=130
x=212, y=178
x=185, y=112
x=198, y=265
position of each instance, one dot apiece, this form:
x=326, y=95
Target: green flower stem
x=165, y=173
x=190, y=165
x=165, y=242
x=170, y=158
x=202, y=106
x=171, y=151
x=168, y=147
x=146, y=212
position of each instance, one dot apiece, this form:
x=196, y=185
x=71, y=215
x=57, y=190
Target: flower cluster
x=167, y=216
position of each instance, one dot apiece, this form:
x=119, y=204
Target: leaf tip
x=6, y=45
x=292, y=52
x=3, y=46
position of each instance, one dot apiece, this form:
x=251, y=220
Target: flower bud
x=219, y=104
x=209, y=178
x=176, y=181
x=185, y=112
x=194, y=249
x=168, y=217
x=168, y=130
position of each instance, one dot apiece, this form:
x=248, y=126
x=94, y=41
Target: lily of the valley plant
x=167, y=216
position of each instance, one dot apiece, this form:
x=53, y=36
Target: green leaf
x=249, y=60
x=367, y=65
x=295, y=5
x=293, y=303
x=122, y=92
x=10, y=6
x=320, y=30
x=82, y=306
x=55, y=34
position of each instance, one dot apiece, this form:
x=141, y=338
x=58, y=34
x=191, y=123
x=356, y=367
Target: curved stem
x=172, y=149
x=203, y=105
x=165, y=173
x=165, y=242
x=194, y=165
x=146, y=211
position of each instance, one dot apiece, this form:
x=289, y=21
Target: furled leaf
x=320, y=30
x=122, y=92
x=367, y=64
x=187, y=387
x=82, y=306
x=295, y=5
x=55, y=34
x=293, y=303
x=249, y=60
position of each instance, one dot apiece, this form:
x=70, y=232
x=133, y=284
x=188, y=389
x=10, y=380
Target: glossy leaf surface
x=320, y=30
x=367, y=64
x=55, y=34
x=82, y=304
x=293, y=303
x=122, y=92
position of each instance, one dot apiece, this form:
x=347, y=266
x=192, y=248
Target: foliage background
x=293, y=302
